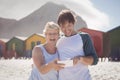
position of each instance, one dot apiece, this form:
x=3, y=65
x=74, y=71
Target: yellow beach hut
x=33, y=40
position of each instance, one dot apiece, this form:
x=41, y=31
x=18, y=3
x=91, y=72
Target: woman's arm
x=39, y=61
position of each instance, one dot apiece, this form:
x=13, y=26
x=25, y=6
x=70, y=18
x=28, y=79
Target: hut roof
x=118, y=27
x=91, y=30
x=40, y=34
x=21, y=38
x=4, y=40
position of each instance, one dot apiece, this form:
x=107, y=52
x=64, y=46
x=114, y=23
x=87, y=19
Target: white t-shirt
x=69, y=47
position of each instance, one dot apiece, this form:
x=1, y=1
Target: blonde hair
x=51, y=25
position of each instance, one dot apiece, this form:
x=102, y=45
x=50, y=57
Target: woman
x=45, y=56
x=75, y=46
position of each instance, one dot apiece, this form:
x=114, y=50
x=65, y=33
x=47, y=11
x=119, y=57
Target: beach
x=20, y=69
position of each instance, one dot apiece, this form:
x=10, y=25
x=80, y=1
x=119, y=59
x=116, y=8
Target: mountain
x=35, y=22
x=5, y=25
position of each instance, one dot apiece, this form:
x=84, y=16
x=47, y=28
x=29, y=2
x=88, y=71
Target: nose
x=64, y=29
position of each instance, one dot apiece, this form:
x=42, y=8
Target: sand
x=20, y=69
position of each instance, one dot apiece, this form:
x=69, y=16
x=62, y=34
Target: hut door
x=0, y=51
x=13, y=46
x=32, y=45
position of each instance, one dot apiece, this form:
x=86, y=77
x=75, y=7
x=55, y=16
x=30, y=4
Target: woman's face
x=52, y=35
x=67, y=28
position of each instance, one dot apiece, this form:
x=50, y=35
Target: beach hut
x=32, y=41
x=15, y=47
x=100, y=40
x=3, y=48
x=114, y=43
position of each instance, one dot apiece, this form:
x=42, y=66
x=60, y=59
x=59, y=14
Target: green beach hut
x=114, y=35
x=16, y=46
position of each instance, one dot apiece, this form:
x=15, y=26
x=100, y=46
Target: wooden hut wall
x=106, y=45
x=115, y=43
x=31, y=42
x=15, y=47
x=97, y=38
x=34, y=40
x=115, y=38
x=2, y=49
x=98, y=43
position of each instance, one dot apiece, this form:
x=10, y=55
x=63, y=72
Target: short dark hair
x=65, y=15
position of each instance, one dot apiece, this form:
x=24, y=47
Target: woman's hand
x=56, y=66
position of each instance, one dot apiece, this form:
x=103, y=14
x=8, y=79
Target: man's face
x=67, y=28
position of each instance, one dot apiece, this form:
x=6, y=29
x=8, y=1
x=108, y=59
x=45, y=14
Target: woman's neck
x=50, y=48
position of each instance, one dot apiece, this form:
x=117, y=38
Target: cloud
x=18, y=9
x=94, y=18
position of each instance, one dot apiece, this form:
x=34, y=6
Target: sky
x=100, y=15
